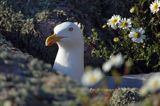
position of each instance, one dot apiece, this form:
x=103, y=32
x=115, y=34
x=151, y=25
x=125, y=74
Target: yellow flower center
x=124, y=24
x=155, y=7
x=93, y=79
x=116, y=39
x=136, y=35
x=155, y=84
x=114, y=21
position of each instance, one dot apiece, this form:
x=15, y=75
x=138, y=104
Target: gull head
x=66, y=34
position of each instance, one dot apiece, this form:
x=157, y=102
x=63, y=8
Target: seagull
x=70, y=57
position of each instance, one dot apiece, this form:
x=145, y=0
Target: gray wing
x=128, y=81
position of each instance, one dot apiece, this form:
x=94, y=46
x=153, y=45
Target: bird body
x=70, y=57
x=70, y=62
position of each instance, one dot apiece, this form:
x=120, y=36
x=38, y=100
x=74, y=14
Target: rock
x=27, y=81
x=124, y=97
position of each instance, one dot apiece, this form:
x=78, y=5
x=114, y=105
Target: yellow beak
x=52, y=39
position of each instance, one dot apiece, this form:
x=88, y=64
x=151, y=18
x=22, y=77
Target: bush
x=144, y=54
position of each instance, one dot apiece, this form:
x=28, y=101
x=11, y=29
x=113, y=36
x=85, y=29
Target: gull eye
x=70, y=29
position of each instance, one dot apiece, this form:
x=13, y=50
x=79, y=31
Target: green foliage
x=98, y=47
x=146, y=55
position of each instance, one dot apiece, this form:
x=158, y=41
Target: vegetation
x=145, y=55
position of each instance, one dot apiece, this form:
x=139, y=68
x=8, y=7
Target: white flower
x=113, y=21
x=151, y=86
x=107, y=66
x=115, y=61
x=132, y=10
x=154, y=7
x=137, y=35
x=125, y=23
x=91, y=78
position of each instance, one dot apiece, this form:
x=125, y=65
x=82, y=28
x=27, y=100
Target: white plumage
x=70, y=56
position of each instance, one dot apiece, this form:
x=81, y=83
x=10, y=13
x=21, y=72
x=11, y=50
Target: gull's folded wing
x=128, y=81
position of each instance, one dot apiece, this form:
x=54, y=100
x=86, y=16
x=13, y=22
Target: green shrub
x=145, y=55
